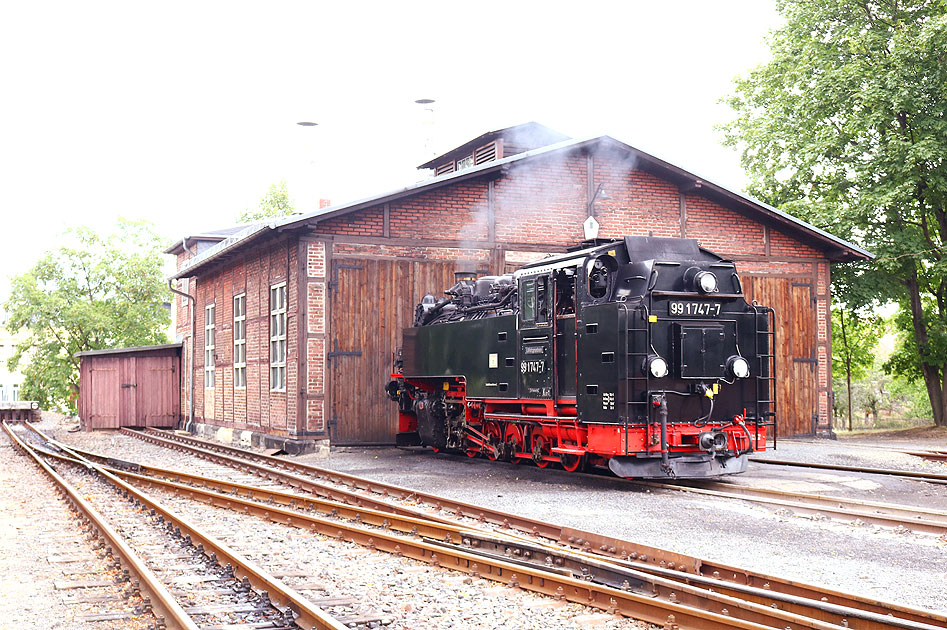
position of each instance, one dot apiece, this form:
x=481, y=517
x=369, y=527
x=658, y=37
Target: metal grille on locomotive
x=640, y=354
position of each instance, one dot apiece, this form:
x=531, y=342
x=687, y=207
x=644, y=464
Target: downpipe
x=190, y=358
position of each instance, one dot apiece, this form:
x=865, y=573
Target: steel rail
x=919, y=476
x=931, y=453
x=165, y=607
x=759, y=608
x=885, y=514
x=664, y=583
x=309, y=616
x=657, y=559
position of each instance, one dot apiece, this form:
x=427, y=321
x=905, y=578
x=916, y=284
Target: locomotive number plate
x=694, y=309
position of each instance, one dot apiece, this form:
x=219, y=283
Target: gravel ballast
x=905, y=568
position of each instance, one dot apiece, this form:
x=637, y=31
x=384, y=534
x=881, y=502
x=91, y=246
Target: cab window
x=542, y=300
x=527, y=300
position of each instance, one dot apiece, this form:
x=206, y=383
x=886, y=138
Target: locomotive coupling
x=712, y=441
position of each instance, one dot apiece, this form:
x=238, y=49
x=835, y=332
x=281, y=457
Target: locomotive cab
x=640, y=354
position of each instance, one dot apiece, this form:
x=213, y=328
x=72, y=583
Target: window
x=209, y=345
x=542, y=306
x=528, y=304
x=278, y=337
x=183, y=285
x=16, y=392
x=240, y=341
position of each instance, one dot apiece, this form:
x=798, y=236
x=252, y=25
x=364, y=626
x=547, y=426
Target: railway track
x=939, y=455
x=189, y=579
x=928, y=477
x=897, y=517
x=665, y=578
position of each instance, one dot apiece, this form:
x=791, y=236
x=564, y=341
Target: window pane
x=529, y=304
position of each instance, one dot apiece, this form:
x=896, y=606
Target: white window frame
x=16, y=392
x=240, y=341
x=185, y=283
x=278, y=337
x=210, y=314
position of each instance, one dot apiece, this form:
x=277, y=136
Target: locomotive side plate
x=683, y=308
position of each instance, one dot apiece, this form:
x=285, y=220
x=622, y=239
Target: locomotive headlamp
x=656, y=366
x=738, y=366
x=706, y=282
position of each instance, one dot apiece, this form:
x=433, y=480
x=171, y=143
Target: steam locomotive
x=638, y=353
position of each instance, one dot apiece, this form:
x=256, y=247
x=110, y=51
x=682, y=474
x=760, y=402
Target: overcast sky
x=184, y=113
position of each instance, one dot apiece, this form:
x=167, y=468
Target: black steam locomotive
x=639, y=353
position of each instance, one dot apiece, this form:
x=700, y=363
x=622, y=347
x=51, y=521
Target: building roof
x=135, y=350
x=211, y=235
x=835, y=248
x=531, y=135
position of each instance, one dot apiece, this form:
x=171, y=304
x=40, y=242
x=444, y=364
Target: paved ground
x=906, y=568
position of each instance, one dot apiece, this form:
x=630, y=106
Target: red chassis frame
x=545, y=431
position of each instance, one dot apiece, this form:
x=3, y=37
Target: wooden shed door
x=371, y=301
x=156, y=404
x=796, y=366
x=105, y=394
x=128, y=394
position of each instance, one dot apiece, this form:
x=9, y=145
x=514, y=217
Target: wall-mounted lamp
x=599, y=194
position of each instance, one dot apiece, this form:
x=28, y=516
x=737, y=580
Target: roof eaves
x=91, y=353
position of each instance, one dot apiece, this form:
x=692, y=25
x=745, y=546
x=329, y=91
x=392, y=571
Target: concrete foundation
x=255, y=439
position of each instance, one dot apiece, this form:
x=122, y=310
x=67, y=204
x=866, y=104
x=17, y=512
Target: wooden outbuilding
x=130, y=387
x=296, y=321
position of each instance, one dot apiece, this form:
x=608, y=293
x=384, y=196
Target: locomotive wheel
x=514, y=436
x=540, y=449
x=572, y=463
x=493, y=431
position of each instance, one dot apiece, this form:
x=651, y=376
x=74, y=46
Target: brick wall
x=254, y=407
x=316, y=327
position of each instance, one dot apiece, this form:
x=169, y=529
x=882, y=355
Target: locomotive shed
x=290, y=328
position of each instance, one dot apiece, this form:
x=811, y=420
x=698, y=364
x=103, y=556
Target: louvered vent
x=486, y=153
x=444, y=168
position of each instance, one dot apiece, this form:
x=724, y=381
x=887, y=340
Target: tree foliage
x=854, y=341
x=846, y=127
x=96, y=292
x=275, y=203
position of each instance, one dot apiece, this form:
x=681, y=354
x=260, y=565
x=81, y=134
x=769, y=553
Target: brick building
x=297, y=320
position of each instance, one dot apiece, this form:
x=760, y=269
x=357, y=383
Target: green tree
x=275, y=203
x=854, y=340
x=96, y=292
x=846, y=126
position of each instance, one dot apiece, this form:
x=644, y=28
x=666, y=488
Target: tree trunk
x=934, y=375
x=848, y=367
